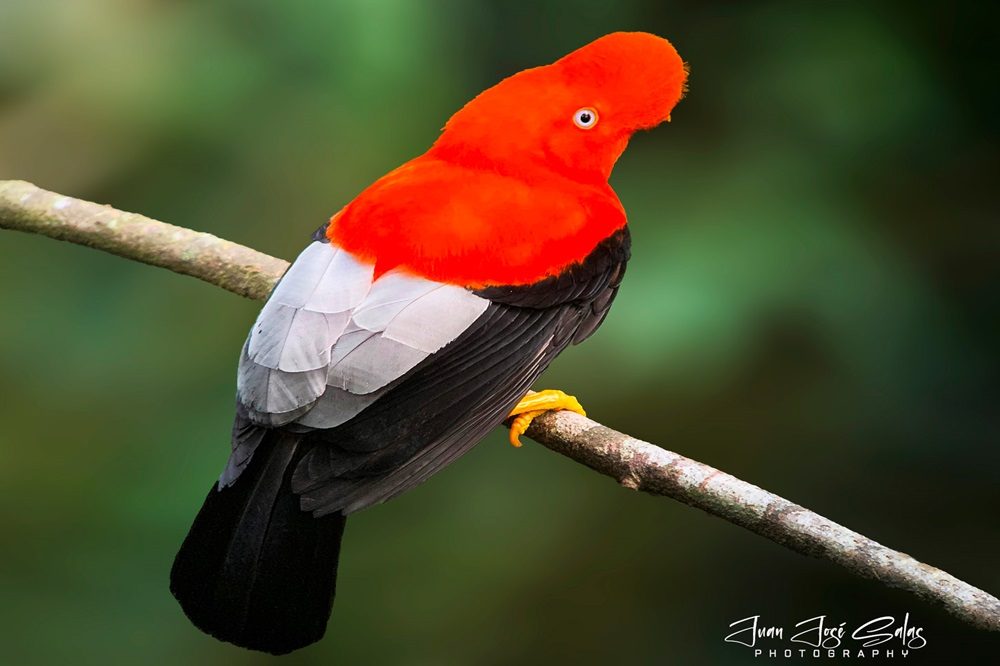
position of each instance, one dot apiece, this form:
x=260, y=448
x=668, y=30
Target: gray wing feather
x=407, y=327
x=331, y=338
x=267, y=340
x=389, y=295
x=273, y=397
x=335, y=407
x=346, y=343
x=310, y=339
x=343, y=286
x=300, y=280
x=435, y=319
x=373, y=364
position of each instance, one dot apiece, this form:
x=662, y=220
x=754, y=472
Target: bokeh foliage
x=811, y=306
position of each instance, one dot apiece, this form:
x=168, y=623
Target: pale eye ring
x=585, y=118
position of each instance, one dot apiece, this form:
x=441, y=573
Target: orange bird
x=413, y=324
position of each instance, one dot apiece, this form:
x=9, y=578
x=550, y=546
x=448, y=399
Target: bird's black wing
x=451, y=399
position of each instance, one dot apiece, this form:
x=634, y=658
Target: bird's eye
x=585, y=118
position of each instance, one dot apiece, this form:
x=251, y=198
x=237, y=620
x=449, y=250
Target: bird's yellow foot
x=534, y=405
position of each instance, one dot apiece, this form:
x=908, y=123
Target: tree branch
x=233, y=267
x=633, y=463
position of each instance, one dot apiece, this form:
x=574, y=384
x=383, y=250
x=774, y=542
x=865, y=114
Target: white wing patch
x=331, y=339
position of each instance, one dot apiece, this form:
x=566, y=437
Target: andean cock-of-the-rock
x=415, y=322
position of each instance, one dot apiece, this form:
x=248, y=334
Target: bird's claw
x=534, y=405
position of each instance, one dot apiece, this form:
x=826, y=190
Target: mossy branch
x=633, y=463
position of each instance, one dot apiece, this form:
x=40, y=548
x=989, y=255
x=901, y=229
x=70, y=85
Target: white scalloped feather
x=330, y=339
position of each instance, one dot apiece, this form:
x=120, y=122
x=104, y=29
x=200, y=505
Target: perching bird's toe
x=534, y=405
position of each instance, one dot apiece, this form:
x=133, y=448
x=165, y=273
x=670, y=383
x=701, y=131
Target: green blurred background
x=811, y=306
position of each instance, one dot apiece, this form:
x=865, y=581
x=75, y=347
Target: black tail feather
x=255, y=570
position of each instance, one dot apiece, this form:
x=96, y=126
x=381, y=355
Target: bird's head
x=574, y=116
